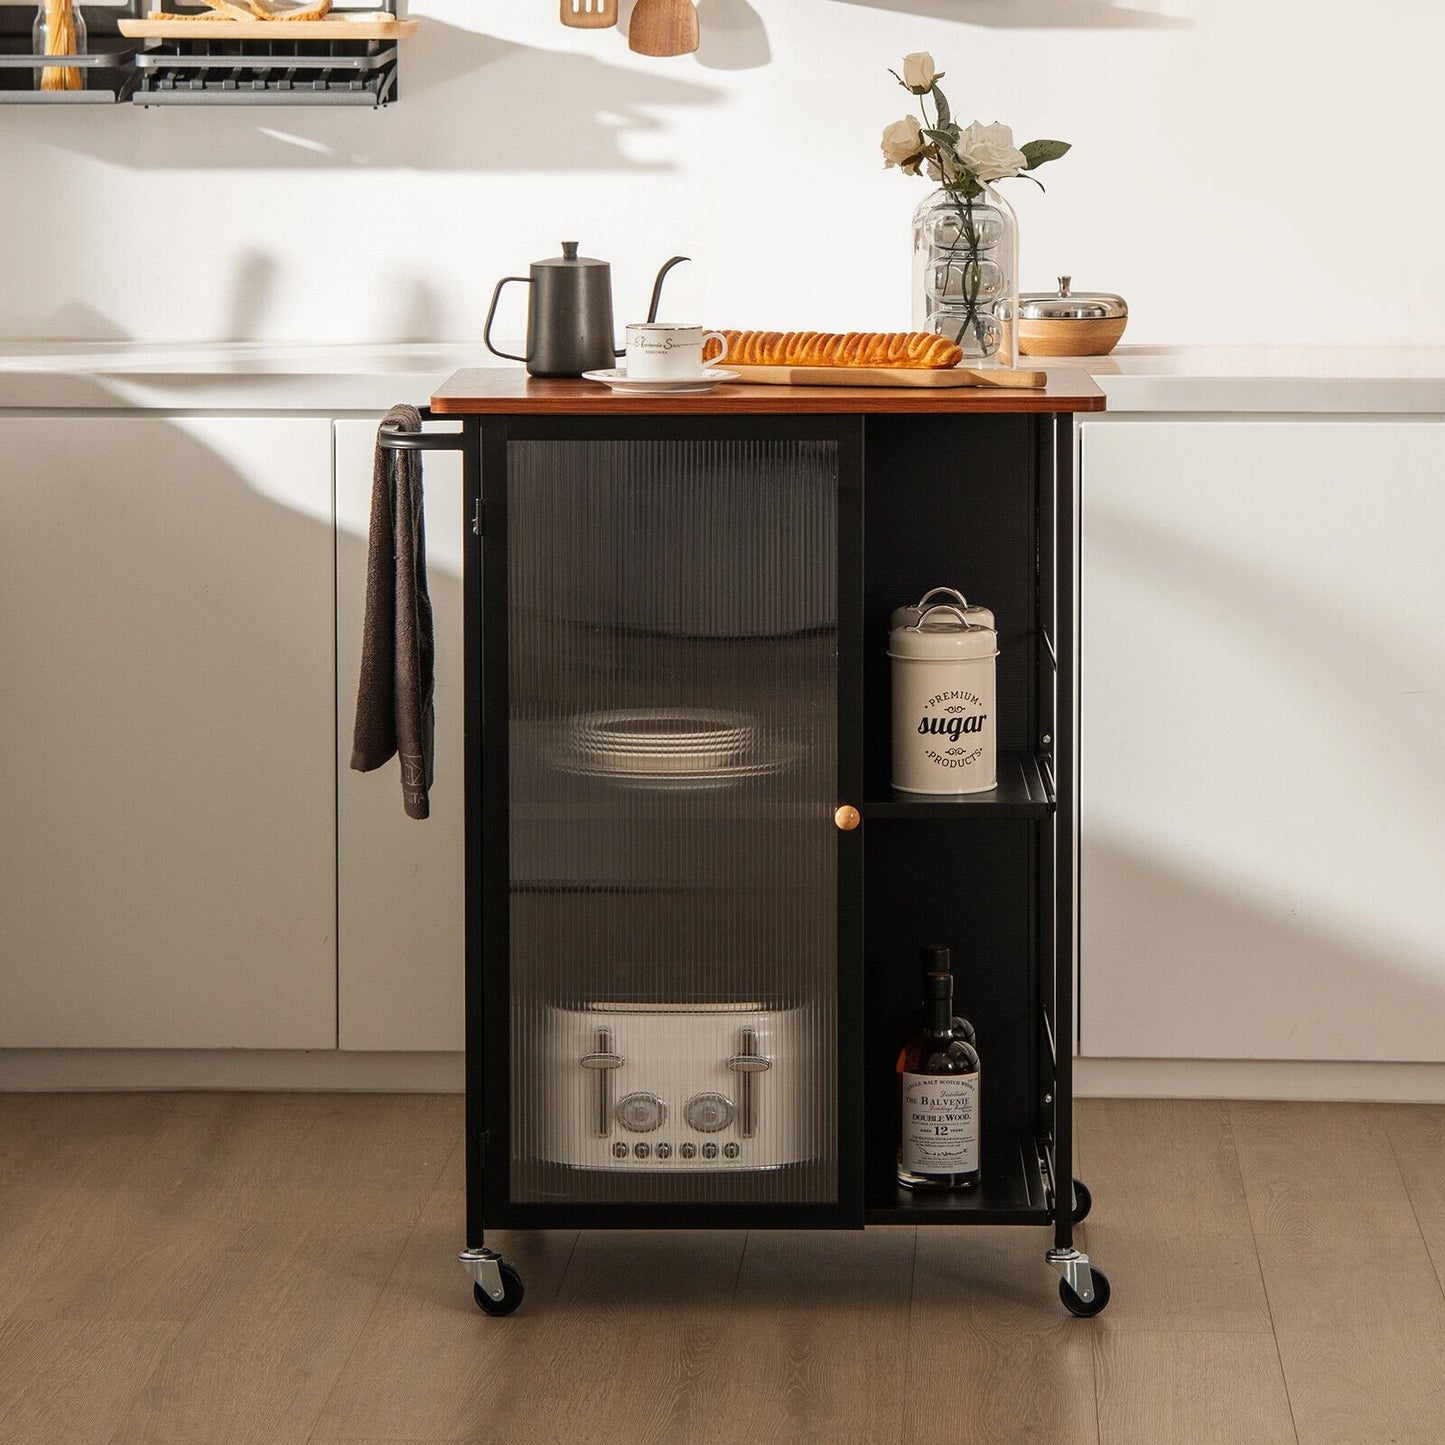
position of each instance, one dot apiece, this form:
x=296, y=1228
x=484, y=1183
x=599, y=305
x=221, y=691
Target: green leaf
x=1036, y=152
x=941, y=103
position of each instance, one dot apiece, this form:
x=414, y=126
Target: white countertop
x=1408, y=379
x=226, y=375
x=332, y=379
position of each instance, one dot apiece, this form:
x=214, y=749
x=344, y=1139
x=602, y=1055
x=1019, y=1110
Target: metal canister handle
x=492, y=311
x=945, y=607
x=942, y=592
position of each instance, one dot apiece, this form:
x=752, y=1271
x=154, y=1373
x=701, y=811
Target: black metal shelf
x=1022, y=792
x=203, y=71
x=105, y=73
x=1011, y=1189
x=202, y=66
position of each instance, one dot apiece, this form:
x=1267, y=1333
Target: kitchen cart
x=694, y=900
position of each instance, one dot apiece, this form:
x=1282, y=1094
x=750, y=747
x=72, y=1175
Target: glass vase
x=965, y=272
x=59, y=29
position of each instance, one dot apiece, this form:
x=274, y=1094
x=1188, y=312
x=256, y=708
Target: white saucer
x=619, y=380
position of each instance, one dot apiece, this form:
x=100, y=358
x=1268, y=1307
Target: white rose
x=919, y=72
x=989, y=151
x=902, y=142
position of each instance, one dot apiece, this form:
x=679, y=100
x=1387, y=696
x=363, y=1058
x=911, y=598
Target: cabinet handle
x=847, y=818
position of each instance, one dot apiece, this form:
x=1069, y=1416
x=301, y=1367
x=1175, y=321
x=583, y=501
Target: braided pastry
x=916, y=350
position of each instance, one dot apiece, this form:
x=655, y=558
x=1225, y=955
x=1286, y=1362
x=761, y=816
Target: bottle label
x=940, y=1123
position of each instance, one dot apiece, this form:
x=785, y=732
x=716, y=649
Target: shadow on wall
x=469, y=102
x=413, y=310
x=731, y=36
x=252, y=286
x=1034, y=14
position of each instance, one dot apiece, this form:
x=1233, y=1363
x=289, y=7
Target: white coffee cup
x=657, y=351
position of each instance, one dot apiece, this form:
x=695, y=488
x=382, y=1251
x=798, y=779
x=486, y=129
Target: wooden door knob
x=847, y=818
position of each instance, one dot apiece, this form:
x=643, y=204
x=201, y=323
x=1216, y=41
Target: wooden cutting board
x=887, y=376
x=361, y=26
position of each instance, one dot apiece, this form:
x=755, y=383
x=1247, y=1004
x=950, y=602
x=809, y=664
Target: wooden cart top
x=483, y=391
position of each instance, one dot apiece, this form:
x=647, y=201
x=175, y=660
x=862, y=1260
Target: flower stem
x=973, y=271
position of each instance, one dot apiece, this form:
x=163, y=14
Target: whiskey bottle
x=938, y=1078
x=935, y=958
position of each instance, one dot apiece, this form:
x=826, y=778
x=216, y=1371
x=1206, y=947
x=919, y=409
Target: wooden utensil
x=663, y=27
x=589, y=14
x=891, y=376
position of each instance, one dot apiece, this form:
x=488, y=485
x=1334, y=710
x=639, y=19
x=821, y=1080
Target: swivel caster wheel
x=1083, y=1201
x=1086, y=1309
x=512, y=1293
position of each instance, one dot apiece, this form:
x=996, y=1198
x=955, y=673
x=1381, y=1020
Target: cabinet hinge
x=477, y=518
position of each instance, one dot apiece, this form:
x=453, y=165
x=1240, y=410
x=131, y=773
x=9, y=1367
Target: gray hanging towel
x=394, y=700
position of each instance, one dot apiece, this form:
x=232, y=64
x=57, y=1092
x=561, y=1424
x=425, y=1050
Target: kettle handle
x=492, y=311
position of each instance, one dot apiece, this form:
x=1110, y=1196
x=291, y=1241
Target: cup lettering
x=658, y=352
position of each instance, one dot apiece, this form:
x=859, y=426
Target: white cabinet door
x=166, y=638
x=400, y=880
x=1263, y=778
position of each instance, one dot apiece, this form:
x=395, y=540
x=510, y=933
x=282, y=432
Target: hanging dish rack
x=347, y=58
x=106, y=73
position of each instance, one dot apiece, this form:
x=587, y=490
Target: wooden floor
x=281, y=1268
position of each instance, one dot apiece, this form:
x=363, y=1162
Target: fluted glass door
x=673, y=758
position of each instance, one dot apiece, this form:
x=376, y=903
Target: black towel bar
x=393, y=439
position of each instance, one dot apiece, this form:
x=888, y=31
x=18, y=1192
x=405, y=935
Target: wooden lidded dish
x=1070, y=323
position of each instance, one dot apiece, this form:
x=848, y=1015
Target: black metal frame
x=1065, y=827
x=483, y=443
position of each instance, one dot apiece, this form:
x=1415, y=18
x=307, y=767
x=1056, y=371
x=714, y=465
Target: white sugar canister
x=945, y=735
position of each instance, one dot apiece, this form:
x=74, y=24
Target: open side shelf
x=1022, y=792
x=1011, y=1189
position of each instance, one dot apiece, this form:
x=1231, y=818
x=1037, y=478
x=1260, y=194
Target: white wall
x=1247, y=170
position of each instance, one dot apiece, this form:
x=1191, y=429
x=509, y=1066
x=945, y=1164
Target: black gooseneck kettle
x=569, y=317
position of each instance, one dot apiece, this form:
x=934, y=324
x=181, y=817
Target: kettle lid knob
x=569, y=250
